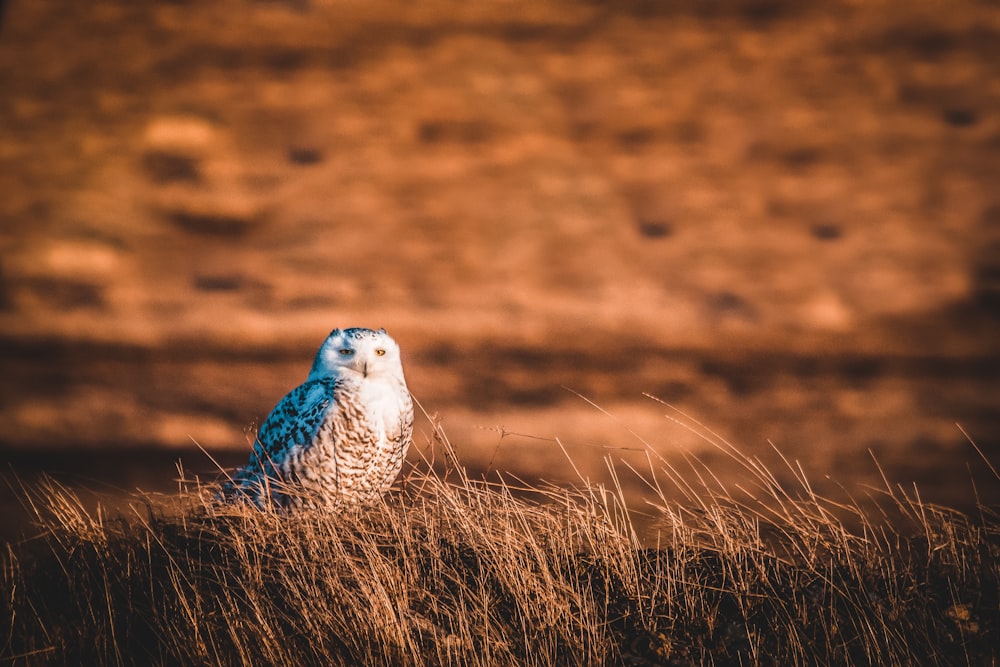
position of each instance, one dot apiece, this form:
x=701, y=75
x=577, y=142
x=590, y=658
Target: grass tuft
x=454, y=571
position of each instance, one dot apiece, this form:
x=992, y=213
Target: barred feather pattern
x=338, y=439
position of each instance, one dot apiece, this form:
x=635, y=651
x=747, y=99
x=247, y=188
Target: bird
x=340, y=437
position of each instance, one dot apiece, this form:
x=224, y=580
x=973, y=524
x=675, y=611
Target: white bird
x=341, y=436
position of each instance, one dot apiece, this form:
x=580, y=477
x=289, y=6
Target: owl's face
x=369, y=353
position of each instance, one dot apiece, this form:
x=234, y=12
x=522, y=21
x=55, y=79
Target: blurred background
x=782, y=218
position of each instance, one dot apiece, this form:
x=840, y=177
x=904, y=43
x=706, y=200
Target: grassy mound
x=454, y=571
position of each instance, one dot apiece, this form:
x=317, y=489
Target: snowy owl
x=338, y=438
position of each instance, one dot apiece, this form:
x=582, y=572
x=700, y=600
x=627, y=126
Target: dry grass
x=460, y=572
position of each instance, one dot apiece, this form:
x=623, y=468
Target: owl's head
x=368, y=352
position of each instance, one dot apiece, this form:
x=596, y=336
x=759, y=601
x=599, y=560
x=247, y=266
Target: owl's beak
x=359, y=365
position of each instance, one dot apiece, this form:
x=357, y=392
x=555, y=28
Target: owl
x=340, y=437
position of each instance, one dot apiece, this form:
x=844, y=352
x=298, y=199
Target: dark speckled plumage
x=340, y=437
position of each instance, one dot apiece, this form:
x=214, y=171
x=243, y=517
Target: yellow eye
x=346, y=352
x=379, y=351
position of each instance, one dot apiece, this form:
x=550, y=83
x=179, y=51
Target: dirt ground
x=780, y=217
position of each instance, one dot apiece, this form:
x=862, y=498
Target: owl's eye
x=345, y=352
x=379, y=351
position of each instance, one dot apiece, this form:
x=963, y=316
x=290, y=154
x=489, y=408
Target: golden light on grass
x=449, y=570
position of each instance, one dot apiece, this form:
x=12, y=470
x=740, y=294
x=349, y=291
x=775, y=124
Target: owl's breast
x=387, y=404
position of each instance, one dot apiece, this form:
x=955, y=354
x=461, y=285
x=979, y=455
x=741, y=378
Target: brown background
x=781, y=217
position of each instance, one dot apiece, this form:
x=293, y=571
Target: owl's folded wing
x=292, y=425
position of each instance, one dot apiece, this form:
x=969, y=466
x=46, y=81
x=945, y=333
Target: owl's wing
x=293, y=424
